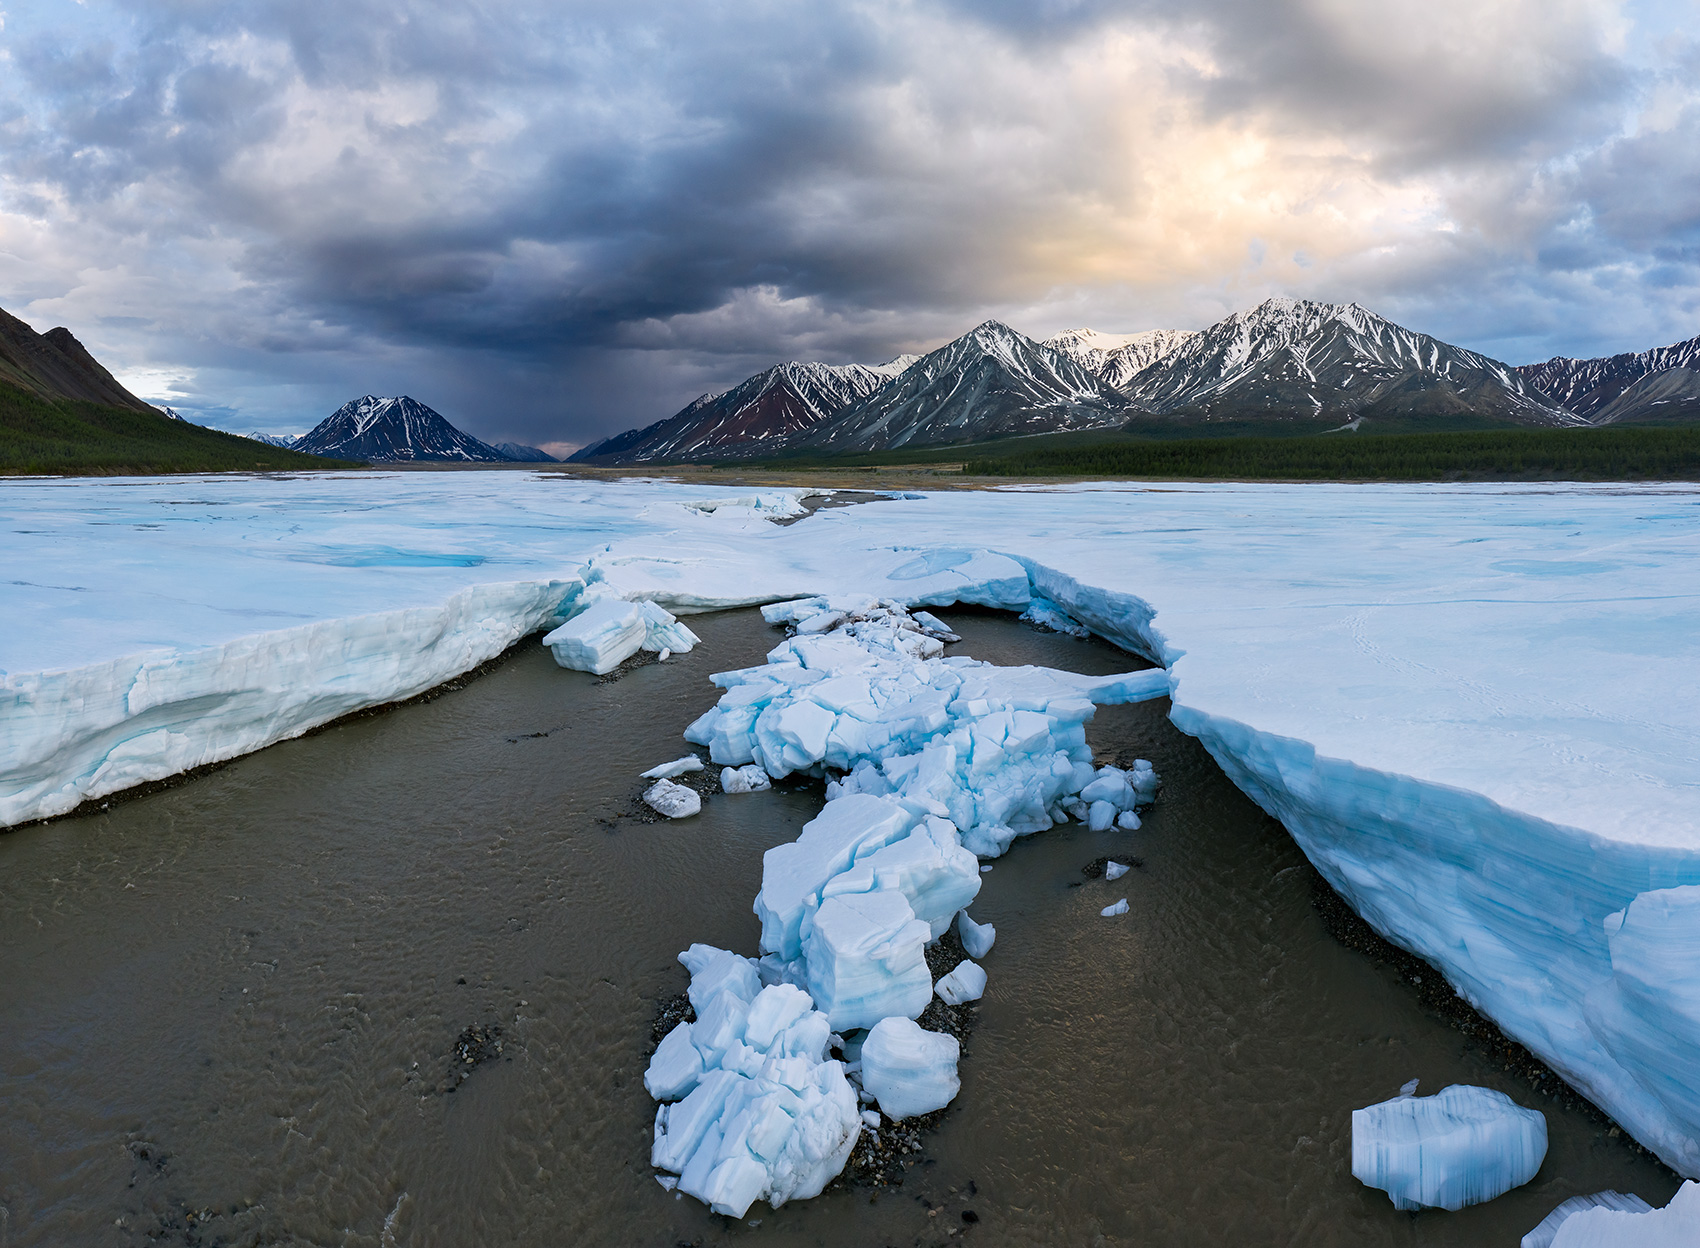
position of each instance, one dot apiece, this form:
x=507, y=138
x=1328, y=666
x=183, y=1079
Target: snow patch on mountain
x=393, y=430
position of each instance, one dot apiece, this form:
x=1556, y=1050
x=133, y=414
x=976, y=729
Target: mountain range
x=1287, y=364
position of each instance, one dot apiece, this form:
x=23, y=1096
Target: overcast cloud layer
x=552, y=221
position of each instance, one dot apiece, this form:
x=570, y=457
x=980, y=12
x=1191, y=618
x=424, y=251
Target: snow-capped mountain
x=270, y=439
x=1116, y=357
x=1294, y=358
x=755, y=417
x=391, y=431
x=991, y=382
x=520, y=453
x=1662, y=384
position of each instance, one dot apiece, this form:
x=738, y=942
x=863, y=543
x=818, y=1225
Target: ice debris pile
x=1459, y=1147
x=608, y=631
x=1612, y=1220
x=934, y=761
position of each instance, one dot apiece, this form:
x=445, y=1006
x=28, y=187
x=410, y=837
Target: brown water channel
x=228, y=1011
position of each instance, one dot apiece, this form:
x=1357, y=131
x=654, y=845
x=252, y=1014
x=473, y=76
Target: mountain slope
x=520, y=453
x=1117, y=357
x=752, y=418
x=55, y=365
x=1298, y=360
x=1599, y=390
x=393, y=431
x=991, y=382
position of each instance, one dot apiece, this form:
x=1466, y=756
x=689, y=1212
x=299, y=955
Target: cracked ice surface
x=1476, y=707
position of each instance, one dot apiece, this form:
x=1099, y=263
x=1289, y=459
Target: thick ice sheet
x=1474, y=706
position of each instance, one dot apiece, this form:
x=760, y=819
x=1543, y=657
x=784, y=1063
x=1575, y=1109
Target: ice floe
x=678, y=767
x=920, y=745
x=1474, y=706
x=673, y=800
x=1461, y=1146
x=757, y=1110
x=746, y=779
x=1611, y=1220
x=965, y=983
x=909, y=1070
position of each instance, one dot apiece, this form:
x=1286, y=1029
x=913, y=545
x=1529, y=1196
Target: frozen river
x=232, y=1007
x=1476, y=709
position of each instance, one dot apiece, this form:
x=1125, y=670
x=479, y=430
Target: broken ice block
x=794, y=873
x=673, y=800
x=747, y=779
x=929, y=867
x=1543, y=1235
x=678, y=767
x=1677, y=1225
x=977, y=938
x=1127, y=821
x=909, y=1070
x=966, y=983
x=1114, y=870
x=866, y=959
x=1459, y=1147
x=676, y=1066
x=599, y=638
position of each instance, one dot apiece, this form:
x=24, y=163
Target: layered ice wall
x=1477, y=708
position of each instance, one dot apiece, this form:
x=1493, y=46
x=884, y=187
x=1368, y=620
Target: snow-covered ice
x=759, y=1111
x=965, y=983
x=678, y=767
x=673, y=800
x=1474, y=706
x=746, y=779
x=1617, y=1224
x=1543, y=1234
x=610, y=630
x=1459, y=1147
x=977, y=938
x=909, y=1070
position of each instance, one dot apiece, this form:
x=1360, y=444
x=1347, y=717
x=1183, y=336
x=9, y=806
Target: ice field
x=1475, y=707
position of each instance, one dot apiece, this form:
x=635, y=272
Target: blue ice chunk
x=1543, y=1235
x=1462, y=1146
x=909, y=1070
x=866, y=959
x=1677, y=1225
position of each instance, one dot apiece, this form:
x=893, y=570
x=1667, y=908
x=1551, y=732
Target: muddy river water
x=229, y=1011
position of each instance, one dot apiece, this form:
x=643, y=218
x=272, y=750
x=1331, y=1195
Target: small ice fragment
x=749, y=778
x=664, y=655
x=668, y=1181
x=1409, y=1088
x=678, y=767
x=1099, y=816
x=673, y=800
x=985, y=867
x=1127, y=821
x=1115, y=870
x=977, y=938
x=1110, y=912
x=1544, y=1234
x=872, y=1118
x=1462, y=1146
x=966, y=983
x=910, y=1071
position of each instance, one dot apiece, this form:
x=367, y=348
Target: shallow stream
x=231, y=1009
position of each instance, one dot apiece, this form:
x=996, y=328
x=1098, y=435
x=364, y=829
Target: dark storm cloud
x=558, y=220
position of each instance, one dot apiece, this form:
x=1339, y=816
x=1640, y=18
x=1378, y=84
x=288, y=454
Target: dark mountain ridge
x=394, y=430
x=55, y=365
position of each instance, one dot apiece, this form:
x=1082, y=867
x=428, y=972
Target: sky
x=552, y=221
